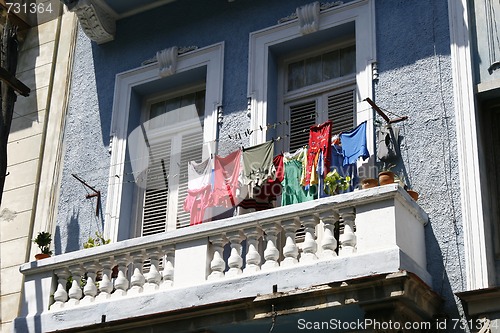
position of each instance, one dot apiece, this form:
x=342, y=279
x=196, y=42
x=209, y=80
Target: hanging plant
x=97, y=241
x=334, y=182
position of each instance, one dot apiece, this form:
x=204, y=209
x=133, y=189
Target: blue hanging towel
x=354, y=144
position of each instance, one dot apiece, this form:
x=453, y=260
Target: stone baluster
x=137, y=279
x=75, y=292
x=309, y=247
x=253, y=258
x=329, y=243
x=105, y=285
x=168, y=266
x=121, y=282
x=290, y=250
x=60, y=295
x=217, y=265
x=271, y=254
x=90, y=289
x=235, y=261
x=153, y=277
x=348, y=238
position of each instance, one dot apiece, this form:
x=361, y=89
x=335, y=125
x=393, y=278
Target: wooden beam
x=13, y=82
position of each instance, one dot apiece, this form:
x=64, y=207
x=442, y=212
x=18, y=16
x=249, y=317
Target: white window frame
x=212, y=57
x=362, y=13
x=154, y=136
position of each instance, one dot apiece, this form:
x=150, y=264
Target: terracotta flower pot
x=369, y=183
x=41, y=256
x=386, y=177
x=413, y=194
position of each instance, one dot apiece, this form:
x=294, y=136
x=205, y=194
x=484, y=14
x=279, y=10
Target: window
x=158, y=125
x=301, y=79
x=318, y=88
x=175, y=137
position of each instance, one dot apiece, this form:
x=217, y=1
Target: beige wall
x=44, y=65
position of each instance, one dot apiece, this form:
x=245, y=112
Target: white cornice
x=98, y=23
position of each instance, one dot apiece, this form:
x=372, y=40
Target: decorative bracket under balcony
x=96, y=21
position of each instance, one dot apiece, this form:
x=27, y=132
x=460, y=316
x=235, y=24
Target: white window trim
x=362, y=13
x=479, y=265
x=212, y=57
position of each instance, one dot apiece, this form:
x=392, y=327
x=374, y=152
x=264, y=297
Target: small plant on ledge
x=386, y=176
x=43, y=240
x=334, y=182
x=96, y=241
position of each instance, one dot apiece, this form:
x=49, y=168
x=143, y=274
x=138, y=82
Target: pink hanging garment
x=198, y=197
x=226, y=173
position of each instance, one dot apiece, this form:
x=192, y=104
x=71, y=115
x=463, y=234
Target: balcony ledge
x=383, y=228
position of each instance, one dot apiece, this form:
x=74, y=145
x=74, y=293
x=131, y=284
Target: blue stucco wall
x=413, y=55
x=415, y=80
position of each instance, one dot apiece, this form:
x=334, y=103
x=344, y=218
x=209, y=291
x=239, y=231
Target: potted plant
x=43, y=240
x=369, y=183
x=413, y=194
x=386, y=176
x=334, y=182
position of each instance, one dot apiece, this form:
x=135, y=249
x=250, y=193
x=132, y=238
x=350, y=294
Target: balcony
x=247, y=269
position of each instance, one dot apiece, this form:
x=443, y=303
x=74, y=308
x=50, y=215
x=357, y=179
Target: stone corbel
x=167, y=60
x=308, y=18
x=97, y=22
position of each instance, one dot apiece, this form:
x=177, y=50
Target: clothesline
x=233, y=136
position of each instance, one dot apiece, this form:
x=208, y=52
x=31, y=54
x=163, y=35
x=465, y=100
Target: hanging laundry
x=292, y=189
x=258, y=164
x=320, y=137
x=388, y=141
x=198, y=174
x=196, y=203
x=301, y=156
x=280, y=168
x=198, y=197
x=226, y=172
x=354, y=144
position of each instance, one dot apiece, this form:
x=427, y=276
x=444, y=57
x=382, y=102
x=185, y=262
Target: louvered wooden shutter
x=341, y=111
x=302, y=117
x=192, y=150
x=156, y=193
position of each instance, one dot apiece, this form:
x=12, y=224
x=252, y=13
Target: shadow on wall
x=72, y=235
x=438, y=262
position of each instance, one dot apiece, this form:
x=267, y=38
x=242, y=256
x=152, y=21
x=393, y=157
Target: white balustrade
x=153, y=277
x=290, y=250
x=253, y=257
x=329, y=242
x=235, y=261
x=217, y=265
x=121, y=281
x=348, y=238
x=168, y=266
x=310, y=246
x=90, y=289
x=137, y=279
x=271, y=254
x=75, y=292
x=60, y=295
x=105, y=285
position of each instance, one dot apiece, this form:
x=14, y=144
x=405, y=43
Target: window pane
x=313, y=70
x=296, y=75
x=348, y=60
x=331, y=65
